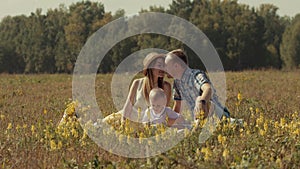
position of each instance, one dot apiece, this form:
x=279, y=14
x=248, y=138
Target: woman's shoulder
x=137, y=81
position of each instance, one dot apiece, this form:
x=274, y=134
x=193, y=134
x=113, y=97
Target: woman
x=138, y=96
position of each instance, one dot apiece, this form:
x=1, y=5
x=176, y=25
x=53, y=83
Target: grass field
x=31, y=106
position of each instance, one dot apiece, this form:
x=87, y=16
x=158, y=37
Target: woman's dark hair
x=148, y=83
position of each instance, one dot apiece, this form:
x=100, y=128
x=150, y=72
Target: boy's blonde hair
x=181, y=58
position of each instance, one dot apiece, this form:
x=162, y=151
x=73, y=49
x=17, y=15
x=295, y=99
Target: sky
x=18, y=7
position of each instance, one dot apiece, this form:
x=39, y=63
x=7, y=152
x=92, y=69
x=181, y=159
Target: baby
x=158, y=113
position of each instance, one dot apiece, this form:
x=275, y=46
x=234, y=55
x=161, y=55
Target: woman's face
x=158, y=67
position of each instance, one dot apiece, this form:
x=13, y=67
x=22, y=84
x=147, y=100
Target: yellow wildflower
x=52, y=145
x=141, y=138
x=2, y=117
x=207, y=153
x=262, y=132
x=294, y=115
x=239, y=96
x=18, y=127
x=82, y=143
x=167, y=119
x=128, y=140
x=74, y=133
x=199, y=115
x=198, y=152
x=59, y=145
x=121, y=136
x=32, y=129
x=276, y=124
x=225, y=153
x=221, y=139
x=282, y=122
x=70, y=110
x=24, y=126
x=241, y=132
x=65, y=134
x=139, y=110
x=260, y=120
x=157, y=137
x=265, y=126
x=84, y=136
x=297, y=132
x=9, y=126
x=279, y=163
x=186, y=132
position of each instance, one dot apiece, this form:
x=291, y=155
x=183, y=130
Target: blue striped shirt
x=189, y=88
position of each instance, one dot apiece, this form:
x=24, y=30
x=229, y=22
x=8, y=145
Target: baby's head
x=157, y=99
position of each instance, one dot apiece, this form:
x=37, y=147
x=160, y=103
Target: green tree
x=55, y=22
x=272, y=37
x=181, y=8
x=290, y=46
x=209, y=18
x=38, y=54
x=82, y=23
x=11, y=60
x=233, y=29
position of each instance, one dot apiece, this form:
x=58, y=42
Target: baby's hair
x=157, y=93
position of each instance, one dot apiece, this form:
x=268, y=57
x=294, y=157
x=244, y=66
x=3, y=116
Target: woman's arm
x=127, y=109
x=177, y=106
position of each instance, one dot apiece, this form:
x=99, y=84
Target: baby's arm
x=176, y=120
x=173, y=117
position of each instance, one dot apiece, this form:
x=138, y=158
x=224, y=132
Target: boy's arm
x=201, y=103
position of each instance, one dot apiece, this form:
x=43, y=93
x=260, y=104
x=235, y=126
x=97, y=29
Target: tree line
x=244, y=37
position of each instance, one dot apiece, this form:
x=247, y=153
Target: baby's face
x=157, y=105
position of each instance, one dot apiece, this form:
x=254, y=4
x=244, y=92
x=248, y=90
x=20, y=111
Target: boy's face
x=169, y=66
x=157, y=105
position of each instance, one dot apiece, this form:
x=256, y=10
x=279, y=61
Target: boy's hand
x=201, y=105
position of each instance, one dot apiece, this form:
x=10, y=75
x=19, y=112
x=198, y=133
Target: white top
x=139, y=102
x=153, y=118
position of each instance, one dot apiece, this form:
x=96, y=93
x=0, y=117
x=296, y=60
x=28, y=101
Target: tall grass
x=31, y=107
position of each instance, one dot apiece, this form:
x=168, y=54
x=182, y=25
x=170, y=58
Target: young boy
x=158, y=113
